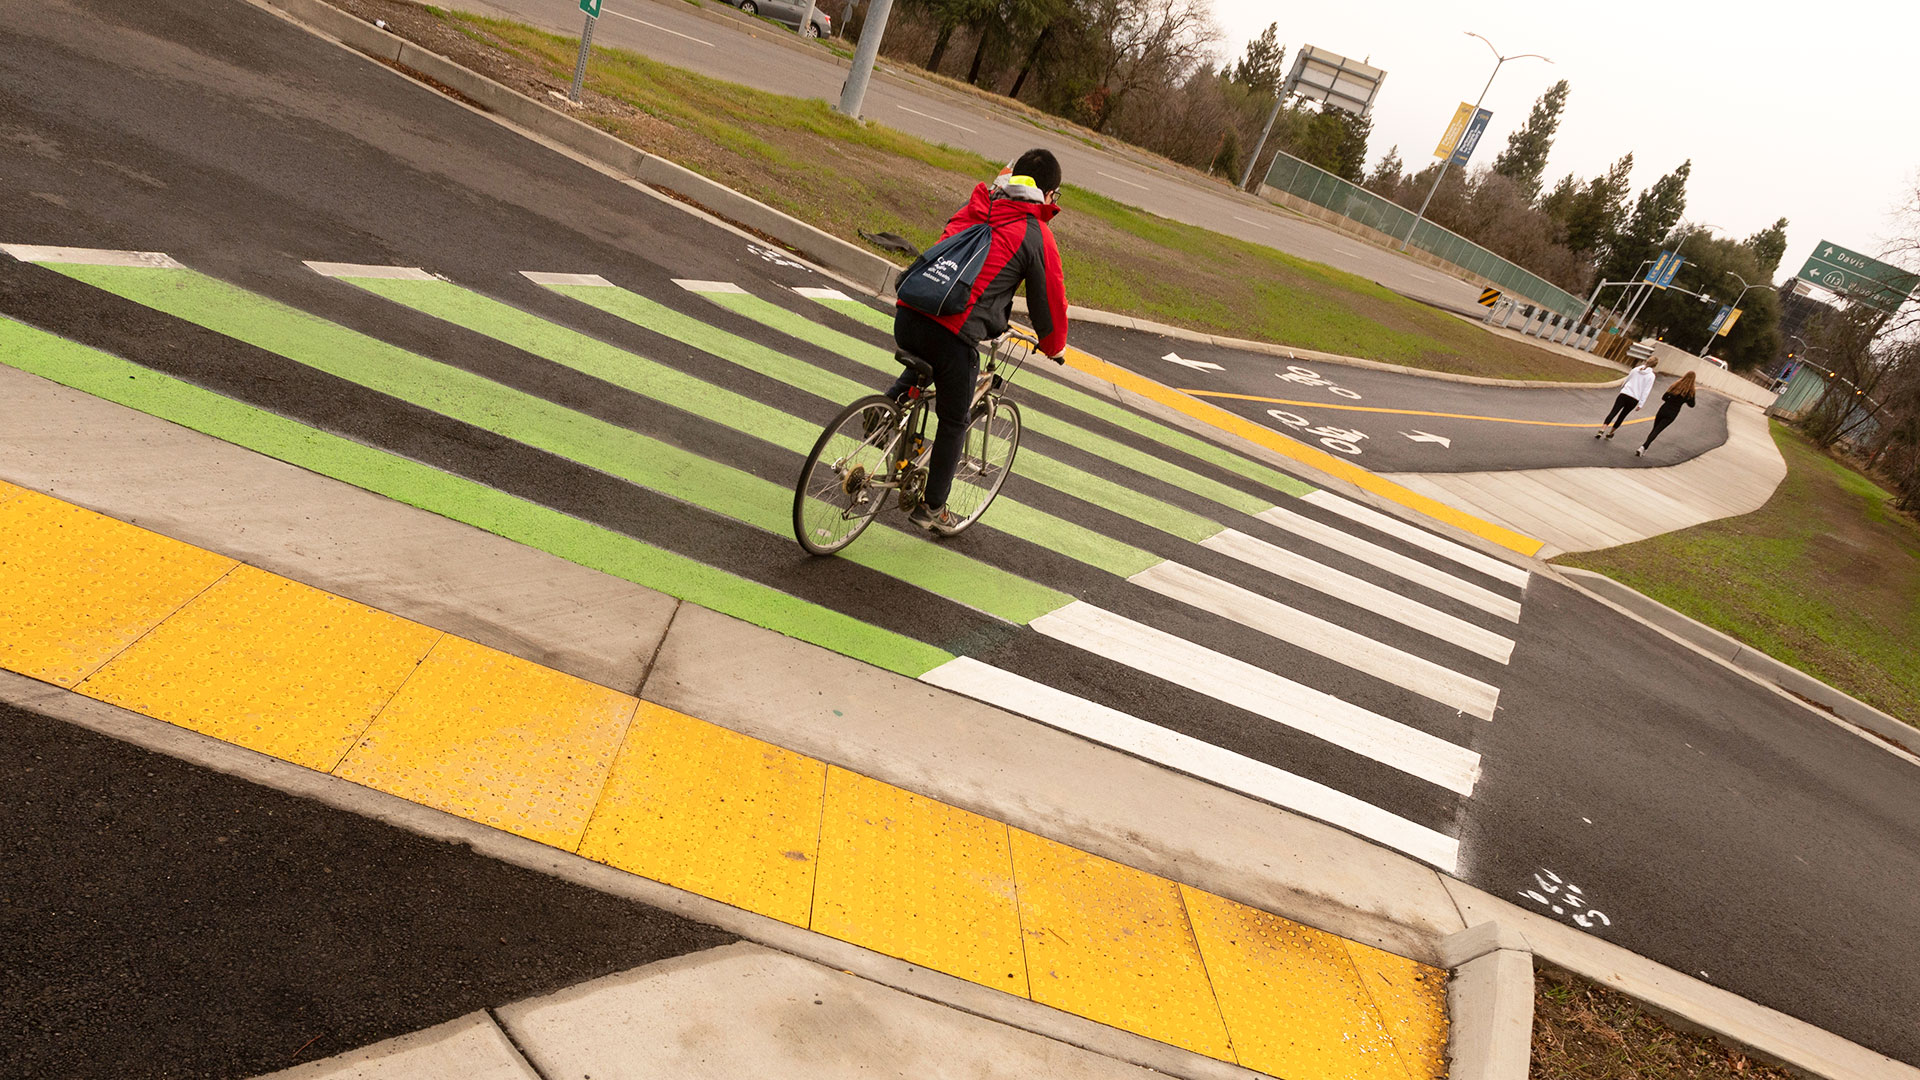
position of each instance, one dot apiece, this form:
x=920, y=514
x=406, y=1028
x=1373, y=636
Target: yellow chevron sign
x=1489, y=297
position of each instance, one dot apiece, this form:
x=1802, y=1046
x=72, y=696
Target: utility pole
x=853, y=93
x=1448, y=160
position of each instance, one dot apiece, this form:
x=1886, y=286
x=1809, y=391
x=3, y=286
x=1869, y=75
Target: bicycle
x=878, y=445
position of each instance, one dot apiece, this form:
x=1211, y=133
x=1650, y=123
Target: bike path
x=129, y=617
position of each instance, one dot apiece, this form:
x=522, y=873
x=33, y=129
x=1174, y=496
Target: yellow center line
x=1399, y=412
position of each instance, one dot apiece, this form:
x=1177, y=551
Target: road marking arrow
x=1422, y=436
x=1199, y=365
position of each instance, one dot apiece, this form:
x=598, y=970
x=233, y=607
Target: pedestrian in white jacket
x=1633, y=394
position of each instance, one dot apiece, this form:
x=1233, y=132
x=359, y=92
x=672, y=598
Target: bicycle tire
x=833, y=502
x=986, y=460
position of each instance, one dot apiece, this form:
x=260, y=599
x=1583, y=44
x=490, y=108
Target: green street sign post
x=1859, y=278
x=592, y=8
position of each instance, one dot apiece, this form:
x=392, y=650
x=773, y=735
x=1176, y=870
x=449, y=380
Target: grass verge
x=840, y=175
x=1824, y=577
x=1583, y=1031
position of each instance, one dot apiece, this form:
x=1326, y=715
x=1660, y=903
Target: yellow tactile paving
x=268, y=664
x=1294, y=1004
x=910, y=877
x=714, y=812
x=77, y=587
x=1112, y=944
x=1412, y=999
x=495, y=739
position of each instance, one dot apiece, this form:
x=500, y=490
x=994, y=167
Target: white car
x=1717, y=362
x=786, y=11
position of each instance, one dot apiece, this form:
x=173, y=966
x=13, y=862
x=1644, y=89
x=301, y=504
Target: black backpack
x=940, y=281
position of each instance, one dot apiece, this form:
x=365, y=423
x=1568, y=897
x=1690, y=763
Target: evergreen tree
x=1768, y=245
x=1524, y=161
x=1351, y=155
x=1385, y=176
x=1558, y=204
x=1260, y=69
x=1594, y=215
x=1655, y=213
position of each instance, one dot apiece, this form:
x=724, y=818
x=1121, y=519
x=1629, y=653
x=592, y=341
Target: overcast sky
x=1802, y=111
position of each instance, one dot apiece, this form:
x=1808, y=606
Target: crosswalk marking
x=1323, y=638
x=1263, y=693
x=391, y=273
x=1393, y=562
x=1439, y=545
x=1111, y=727
x=1361, y=593
x=35, y=253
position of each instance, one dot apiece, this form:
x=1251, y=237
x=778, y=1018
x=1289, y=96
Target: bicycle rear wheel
x=985, y=460
x=838, y=492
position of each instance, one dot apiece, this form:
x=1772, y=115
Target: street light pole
x=1448, y=160
x=1735, y=305
x=1646, y=294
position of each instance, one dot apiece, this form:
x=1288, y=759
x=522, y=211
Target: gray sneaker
x=935, y=519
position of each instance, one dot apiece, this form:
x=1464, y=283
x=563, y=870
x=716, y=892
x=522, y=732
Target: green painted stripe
x=1140, y=461
x=545, y=425
x=1114, y=414
x=1008, y=516
x=113, y=379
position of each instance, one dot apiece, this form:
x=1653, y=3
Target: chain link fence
x=1294, y=177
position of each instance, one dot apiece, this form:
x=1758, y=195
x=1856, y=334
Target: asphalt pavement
x=1720, y=828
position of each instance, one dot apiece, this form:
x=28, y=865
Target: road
x=754, y=54
x=1475, y=714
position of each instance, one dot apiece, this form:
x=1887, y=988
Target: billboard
x=1319, y=75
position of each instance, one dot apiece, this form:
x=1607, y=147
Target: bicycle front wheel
x=985, y=460
x=841, y=486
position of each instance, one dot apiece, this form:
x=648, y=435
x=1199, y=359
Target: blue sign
x=1720, y=318
x=1673, y=268
x=1659, y=267
x=1471, y=138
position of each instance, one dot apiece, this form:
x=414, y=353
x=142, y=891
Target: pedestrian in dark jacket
x=1680, y=393
x=1017, y=205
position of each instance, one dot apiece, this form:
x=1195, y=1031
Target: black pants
x=1622, y=406
x=956, y=366
x=1668, y=410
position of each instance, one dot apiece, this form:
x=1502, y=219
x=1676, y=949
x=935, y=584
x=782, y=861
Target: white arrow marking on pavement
x=1420, y=436
x=1199, y=365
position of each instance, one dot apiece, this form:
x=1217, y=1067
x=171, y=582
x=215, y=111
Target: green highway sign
x=591, y=7
x=1857, y=277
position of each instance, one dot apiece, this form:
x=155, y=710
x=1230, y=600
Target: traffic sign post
x=592, y=8
x=1863, y=280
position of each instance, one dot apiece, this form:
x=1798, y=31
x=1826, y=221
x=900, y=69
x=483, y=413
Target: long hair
x=1683, y=385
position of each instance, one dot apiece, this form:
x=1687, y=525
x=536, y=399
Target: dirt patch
x=1583, y=1031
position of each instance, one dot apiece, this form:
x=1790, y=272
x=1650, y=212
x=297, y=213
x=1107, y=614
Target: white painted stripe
x=708, y=286
x=936, y=119
x=540, y=278
x=1320, y=637
x=1123, y=180
x=821, y=294
x=1262, y=693
x=34, y=253
x=1253, y=223
x=350, y=270
x=1361, y=593
x=1439, y=545
x=1111, y=727
x=1393, y=562
x=662, y=29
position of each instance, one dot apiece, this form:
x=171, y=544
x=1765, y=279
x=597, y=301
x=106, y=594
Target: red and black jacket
x=1022, y=251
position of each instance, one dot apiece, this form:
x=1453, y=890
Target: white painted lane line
x=1320, y=637
x=1439, y=545
x=936, y=119
x=814, y=293
x=1253, y=223
x=34, y=253
x=1393, y=562
x=540, y=278
x=360, y=270
x=708, y=286
x=662, y=29
x=1361, y=593
x=1129, y=734
x=1262, y=693
x=1123, y=180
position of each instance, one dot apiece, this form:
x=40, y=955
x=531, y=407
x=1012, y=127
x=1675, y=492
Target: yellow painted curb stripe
x=1306, y=455
x=1397, y=412
x=306, y=676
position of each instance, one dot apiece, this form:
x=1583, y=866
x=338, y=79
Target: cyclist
x=1022, y=199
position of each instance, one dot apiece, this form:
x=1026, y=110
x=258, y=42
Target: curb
x=1748, y=659
x=1490, y=1003
x=828, y=250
